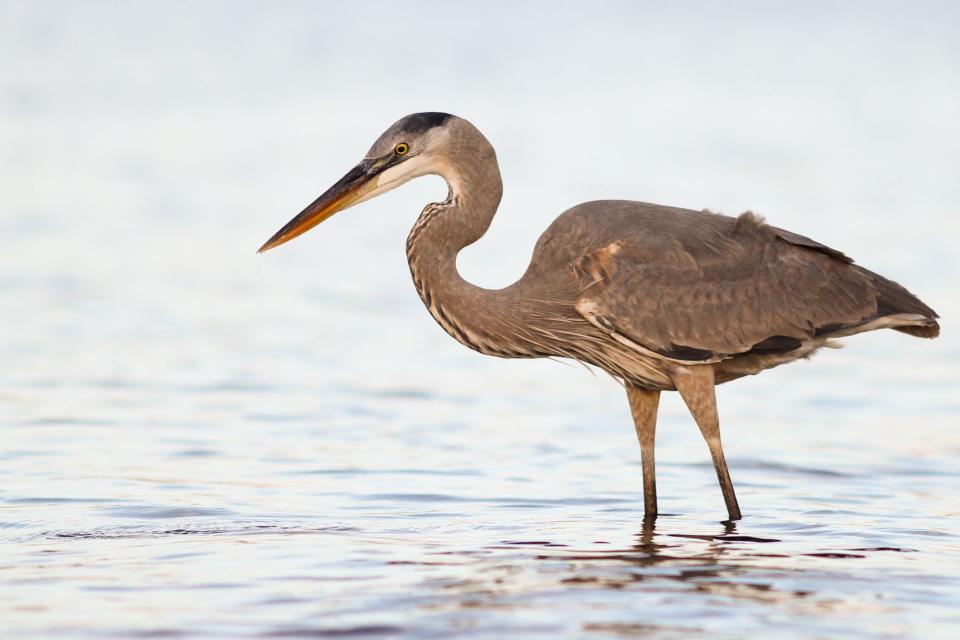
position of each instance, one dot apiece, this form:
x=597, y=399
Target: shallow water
x=254, y=511
x=199, y=442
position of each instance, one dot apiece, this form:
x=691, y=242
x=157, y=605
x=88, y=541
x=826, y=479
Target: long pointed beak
x=349, y=190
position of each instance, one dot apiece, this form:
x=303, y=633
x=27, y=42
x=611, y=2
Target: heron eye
x=401, y=149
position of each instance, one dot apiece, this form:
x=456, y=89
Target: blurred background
x=157, y=375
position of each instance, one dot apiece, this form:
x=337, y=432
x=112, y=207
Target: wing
x=701, y=287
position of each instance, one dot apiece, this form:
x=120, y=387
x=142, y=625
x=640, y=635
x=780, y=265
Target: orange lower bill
x=347, y=191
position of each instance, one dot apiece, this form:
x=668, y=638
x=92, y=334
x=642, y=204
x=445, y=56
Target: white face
x=423, y=160
x=396, y=175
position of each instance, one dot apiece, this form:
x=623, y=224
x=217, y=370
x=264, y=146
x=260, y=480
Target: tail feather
x=931, y=330
x=893, y=299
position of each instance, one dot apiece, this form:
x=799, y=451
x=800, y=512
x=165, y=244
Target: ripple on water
x=154, y=512
x=54, y=500
x=334, y=632
x=504, y=500
x=122, y=532
x=381, y=471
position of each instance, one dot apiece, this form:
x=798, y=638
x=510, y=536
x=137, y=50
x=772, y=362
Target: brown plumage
x=661, y=298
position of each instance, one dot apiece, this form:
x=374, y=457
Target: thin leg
x=696, y=386
x=643, y=406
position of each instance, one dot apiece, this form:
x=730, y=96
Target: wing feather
x=700, y=293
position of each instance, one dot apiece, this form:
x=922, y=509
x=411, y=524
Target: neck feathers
x=477, y=318
x=469, y=167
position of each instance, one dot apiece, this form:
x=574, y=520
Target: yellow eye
x=401, y=149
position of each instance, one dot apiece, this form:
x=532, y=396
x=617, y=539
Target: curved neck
x=444, y=228
x=482, y=319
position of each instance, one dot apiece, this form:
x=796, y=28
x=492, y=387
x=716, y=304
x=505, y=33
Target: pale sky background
x=148, y=149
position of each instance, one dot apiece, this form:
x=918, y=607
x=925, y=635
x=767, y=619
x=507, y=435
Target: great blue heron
x=663, y=299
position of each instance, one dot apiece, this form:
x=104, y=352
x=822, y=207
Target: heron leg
x=643, y=406
x=696, y=387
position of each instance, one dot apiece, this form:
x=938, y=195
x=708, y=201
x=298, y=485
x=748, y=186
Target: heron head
x=410, y=148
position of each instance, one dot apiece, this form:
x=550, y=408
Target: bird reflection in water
x=725, y=564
